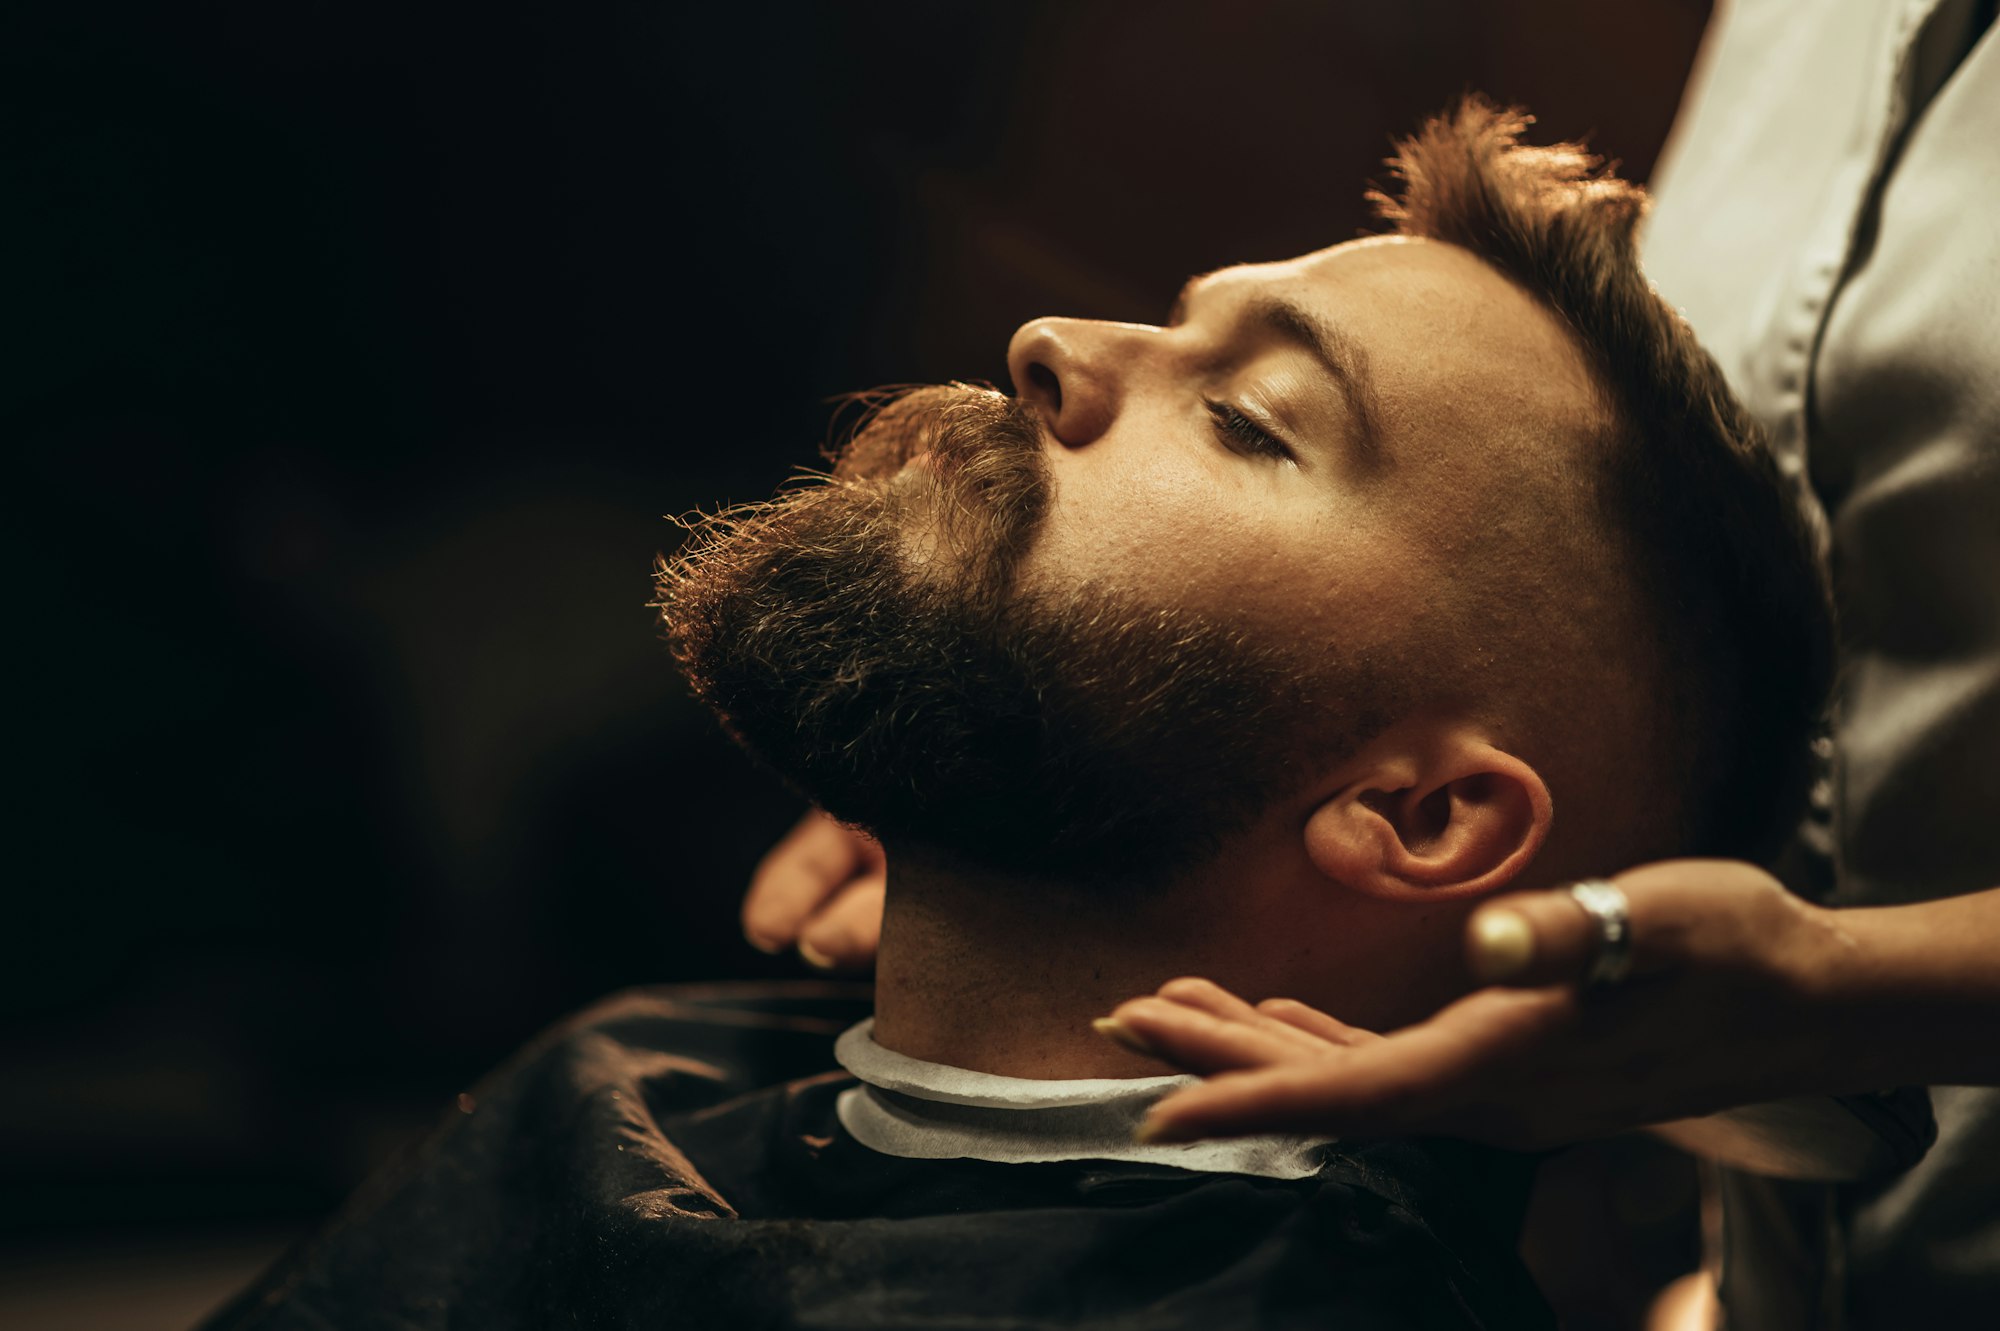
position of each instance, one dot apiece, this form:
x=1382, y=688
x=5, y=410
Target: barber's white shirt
x=1828, y=218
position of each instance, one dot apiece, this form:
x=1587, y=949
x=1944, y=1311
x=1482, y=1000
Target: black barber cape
x=672, y=1158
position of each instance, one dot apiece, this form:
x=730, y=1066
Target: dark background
x=353, y=355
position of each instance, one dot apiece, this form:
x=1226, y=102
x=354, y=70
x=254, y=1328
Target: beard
x=866, y=636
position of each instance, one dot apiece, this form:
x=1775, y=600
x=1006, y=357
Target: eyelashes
x=1243, y=435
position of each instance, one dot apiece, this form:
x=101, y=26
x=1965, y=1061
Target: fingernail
x=1119, y=1033
x=1499, y=944
x=768, y=949
x=815, y=958
x=1154, y=1131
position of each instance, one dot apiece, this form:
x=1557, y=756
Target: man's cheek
x=1160, y=529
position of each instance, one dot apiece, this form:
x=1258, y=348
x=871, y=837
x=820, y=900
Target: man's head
x=1393, y=549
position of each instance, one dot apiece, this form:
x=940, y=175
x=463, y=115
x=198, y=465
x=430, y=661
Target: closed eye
x=1243, y=435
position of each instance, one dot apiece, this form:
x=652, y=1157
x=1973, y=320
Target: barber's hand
x=1720, y=1009
x=1201, y=1027
x=819, y=890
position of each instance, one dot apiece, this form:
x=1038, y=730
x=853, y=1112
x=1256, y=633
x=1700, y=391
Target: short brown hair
x=1720, y=547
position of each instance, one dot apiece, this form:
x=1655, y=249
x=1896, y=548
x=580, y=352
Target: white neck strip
x=933, y=1111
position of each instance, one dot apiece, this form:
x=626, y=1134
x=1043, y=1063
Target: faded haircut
x=1721, y=549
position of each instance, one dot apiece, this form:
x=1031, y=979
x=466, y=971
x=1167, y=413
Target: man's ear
x=1450, y=817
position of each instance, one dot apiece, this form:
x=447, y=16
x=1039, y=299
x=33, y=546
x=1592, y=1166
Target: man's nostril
x=1045, y=382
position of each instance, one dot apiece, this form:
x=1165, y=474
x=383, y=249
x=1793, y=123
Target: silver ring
x=1612, y=914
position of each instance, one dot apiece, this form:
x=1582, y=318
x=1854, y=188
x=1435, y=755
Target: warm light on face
x=1306, y=444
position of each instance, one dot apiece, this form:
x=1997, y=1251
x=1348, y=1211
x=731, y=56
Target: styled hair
x=1721, y=548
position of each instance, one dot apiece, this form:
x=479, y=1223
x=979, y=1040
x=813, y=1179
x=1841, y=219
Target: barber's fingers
x=1198, y=1025
x=1342, y=1097
x=1199, y=1041
x=847, y=932
x=1433, y=1077
x=814, y=862
x=1530, y=938
x=1681, y=912
x=1291, y=1017
x=1314, y=1022
x=1208, y=996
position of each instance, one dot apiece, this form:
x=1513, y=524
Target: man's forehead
x=1413, y=260
x=1452, y=339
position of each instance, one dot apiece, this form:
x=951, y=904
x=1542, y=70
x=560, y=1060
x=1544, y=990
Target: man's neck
x=1006, y=978
x=948, y=992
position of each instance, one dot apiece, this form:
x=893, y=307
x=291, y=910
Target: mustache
x=982, y=477
x=979, y=500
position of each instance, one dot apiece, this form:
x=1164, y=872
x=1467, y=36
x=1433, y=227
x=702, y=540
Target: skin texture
x=819, y=890
x=1740, y=993
x=1350, y=524
x=1470, y=378
x=1473, y=383
x=1835, y=1001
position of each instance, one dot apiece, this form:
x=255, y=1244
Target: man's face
x=1304, y=445
x=1219, y=539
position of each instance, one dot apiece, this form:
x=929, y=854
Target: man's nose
x=1074, y=373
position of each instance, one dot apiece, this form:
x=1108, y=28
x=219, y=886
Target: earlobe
x=1463, y=821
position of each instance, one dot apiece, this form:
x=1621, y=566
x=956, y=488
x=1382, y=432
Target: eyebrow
x=1344, y=359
